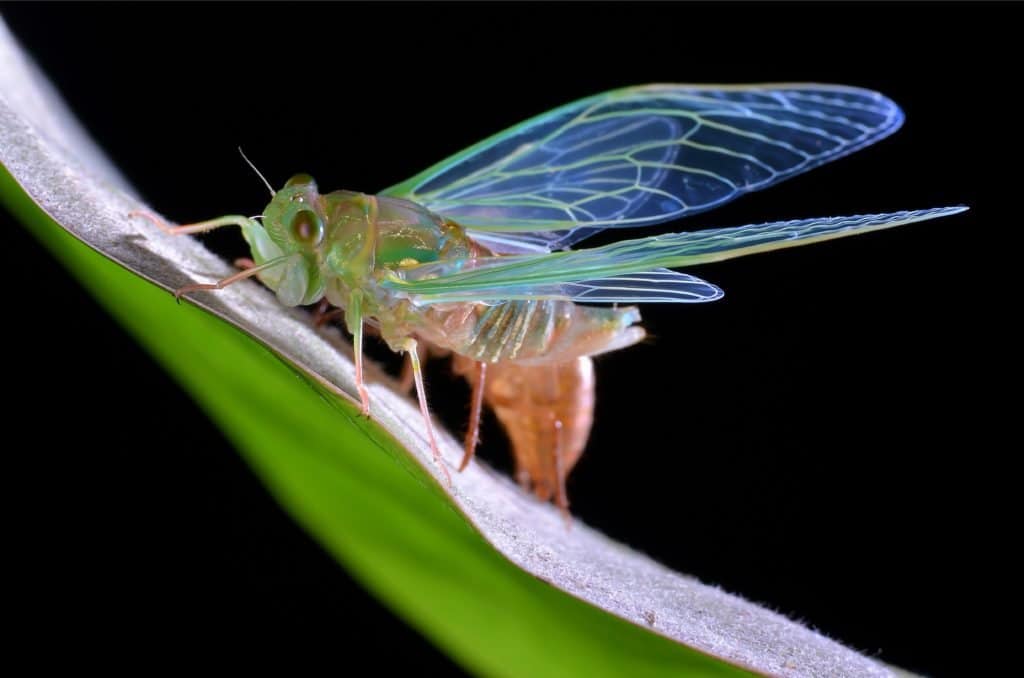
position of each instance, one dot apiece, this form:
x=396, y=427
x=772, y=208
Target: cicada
x=474, y=256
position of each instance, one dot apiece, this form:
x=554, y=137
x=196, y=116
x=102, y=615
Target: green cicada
x=473, y=255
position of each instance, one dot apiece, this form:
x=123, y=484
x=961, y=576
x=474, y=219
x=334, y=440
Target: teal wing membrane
x=643, y=155
x=629, y=270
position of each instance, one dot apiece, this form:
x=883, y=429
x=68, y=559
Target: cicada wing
x=643, y=155
x=521, y=274
x=512, y=243
x=657, y=286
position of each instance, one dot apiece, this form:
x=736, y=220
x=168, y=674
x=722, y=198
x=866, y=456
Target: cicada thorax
x=547, y=411
x=368, y=235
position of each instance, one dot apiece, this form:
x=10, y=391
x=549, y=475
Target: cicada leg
x=221, y=284
x=476, y=404
x=247, y=265
x=354, y=322
x=410, y=346
x=198, y=227
x=405, y=379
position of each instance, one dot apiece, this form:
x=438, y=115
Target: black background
x=814, y=442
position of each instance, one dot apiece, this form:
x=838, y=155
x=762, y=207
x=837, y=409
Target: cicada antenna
x=258, y=173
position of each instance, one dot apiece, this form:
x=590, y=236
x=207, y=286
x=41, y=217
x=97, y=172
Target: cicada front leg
x=221, y=284
x=249, y=268
x=197, y=227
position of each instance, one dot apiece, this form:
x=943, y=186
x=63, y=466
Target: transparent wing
x=643, y=155
x=656, y=286
x=520, y=274
x=529, y=242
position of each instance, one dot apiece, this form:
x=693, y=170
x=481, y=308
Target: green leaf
x=488, y=573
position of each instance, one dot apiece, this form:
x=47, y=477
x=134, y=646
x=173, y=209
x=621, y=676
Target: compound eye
x=307, y=227
x=301, y=180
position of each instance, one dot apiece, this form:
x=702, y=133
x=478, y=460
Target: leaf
x=485, y=571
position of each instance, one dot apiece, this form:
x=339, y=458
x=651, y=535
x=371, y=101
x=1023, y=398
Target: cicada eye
x=301, y=180
x=307, y=227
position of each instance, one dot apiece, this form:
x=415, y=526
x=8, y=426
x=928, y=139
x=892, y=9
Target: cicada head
x=294, y=218
x=293, y=224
